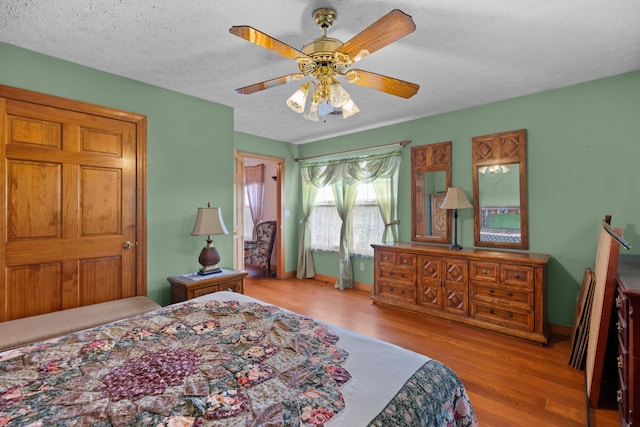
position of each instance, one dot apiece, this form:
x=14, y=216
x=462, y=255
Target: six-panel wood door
x=70, y=222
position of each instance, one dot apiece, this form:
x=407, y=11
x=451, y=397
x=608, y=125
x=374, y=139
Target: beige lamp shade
x=209, y=222
x=455, y=199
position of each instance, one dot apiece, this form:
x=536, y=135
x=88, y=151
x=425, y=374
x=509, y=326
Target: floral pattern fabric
x=195, y=364
x=433, y=393
x=258, y=252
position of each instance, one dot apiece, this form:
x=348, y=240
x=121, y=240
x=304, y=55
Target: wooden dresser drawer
x=386, y=258
x=621, y=327
x=622, y=396
x=517, y=275
x=406, y=261
x=622, y=303
x=489, y=292
x=485, y=271
x=396, y=274
x=397, y=291
x=507, y=317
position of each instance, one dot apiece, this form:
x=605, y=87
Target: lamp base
x=209, y=259
x=455, y=247
x=209, y=270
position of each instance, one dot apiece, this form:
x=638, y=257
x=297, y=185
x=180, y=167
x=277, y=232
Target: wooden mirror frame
x=425, y=159
x=505, y=148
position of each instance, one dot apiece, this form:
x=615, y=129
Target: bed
x=500, y=224
x=225, y=359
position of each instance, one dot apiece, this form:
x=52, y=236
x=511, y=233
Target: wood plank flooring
x=510, y=382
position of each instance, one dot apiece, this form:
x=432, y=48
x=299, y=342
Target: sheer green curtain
x=386, y=188
x=344, y=192
x=313, y=177
x=306, y=268
x=345, y=175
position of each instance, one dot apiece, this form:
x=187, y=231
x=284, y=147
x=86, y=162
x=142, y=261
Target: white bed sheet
x=378, y=369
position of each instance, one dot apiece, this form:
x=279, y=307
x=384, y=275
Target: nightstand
x=192, y=285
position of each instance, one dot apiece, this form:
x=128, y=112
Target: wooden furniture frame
x=501, y=149
x=188, y=286
x=627, y=321
x=495, y=290
x=426, y=159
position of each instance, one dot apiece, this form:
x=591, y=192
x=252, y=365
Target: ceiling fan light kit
x=325, y=58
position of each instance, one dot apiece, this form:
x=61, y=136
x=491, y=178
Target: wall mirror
x=430, y=178
x=500, y=190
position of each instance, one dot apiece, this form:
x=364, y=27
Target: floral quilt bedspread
x=432, y=396
x=196, y=364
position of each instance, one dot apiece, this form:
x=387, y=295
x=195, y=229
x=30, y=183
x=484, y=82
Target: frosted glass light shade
x=349, y=109
x=338, y=96
x=298, y=100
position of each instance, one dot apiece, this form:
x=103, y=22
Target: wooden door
x=72, y=205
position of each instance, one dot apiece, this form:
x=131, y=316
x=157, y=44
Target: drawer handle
x=405, y=261
x=485, y=271
x=509, y=293
x=620, y=362
x=516, y=276
x=619, y=327
x=491, y=290
x=491, y=311
x=618, y=302
x=619, y=396
x=510, y=314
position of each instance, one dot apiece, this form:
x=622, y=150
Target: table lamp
x=209, y=222
x=455, y=199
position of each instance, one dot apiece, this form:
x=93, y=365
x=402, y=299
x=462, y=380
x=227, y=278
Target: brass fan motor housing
x=322, y=50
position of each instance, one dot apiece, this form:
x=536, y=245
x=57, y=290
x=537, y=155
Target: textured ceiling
x=463, y=53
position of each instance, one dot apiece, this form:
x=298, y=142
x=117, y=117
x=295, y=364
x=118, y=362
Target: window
x=365, y=225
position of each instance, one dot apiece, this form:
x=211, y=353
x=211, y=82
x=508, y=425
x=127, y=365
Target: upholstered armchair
x=257, y=253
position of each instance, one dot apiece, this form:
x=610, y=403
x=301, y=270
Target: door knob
x=127, y=245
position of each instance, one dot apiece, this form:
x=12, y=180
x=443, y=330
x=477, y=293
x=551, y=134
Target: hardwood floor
x=510, y=382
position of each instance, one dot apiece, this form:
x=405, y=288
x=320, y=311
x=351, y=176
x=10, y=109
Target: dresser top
x=469, y=252
x=629, y=271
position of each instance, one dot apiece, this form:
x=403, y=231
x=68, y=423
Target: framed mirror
x=500, y=190
x=430, y=178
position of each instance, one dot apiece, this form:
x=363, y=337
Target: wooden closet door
x=70, y=223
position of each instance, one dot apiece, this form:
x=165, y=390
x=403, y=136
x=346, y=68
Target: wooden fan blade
x=266, y=41
x=386, y=84
x=269, y=84
x=391, y=27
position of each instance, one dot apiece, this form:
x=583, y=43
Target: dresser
x=499, y=291
x=627, y=318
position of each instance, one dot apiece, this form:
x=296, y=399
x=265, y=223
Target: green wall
x=582, y=159
x=582, y=164
x=189, y=149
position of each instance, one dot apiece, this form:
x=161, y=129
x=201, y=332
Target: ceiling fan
x=326, y=57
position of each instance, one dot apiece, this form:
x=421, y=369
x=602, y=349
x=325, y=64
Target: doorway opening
x=273, y=184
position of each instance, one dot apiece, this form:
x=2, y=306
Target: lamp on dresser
x=455, y=199
x=208, y=223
